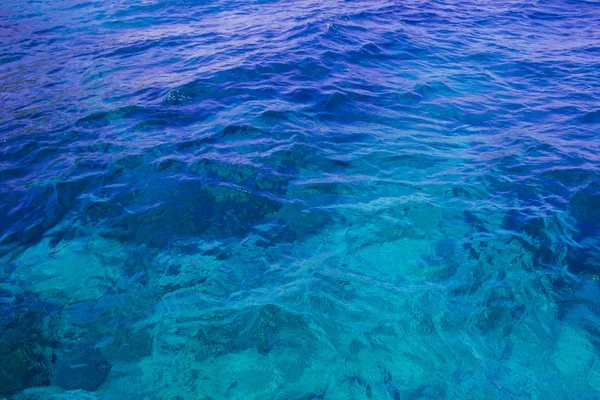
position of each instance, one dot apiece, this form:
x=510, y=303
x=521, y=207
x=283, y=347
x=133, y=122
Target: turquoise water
x=299, y=200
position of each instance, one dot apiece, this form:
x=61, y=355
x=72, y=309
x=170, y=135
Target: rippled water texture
x=299, y=199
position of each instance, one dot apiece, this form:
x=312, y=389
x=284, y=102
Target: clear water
x=299, y=200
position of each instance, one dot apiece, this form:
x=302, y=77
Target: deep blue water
x=299, y=199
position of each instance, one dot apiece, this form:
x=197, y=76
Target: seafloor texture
x=299, y=199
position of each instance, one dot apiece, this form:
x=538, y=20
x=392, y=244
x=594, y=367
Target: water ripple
x=310, y=200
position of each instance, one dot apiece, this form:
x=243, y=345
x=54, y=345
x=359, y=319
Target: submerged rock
x=24, y=347
x=84, y=367
x=21, y=368
x=261, y=328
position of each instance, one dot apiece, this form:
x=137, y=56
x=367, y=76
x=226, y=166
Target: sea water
x=299, y=199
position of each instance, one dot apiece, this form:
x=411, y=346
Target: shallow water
x=299, y=200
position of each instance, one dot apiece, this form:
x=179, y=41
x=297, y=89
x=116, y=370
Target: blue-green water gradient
x=299, y=200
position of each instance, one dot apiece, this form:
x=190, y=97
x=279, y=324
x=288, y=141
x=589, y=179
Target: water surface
x=299, y=200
